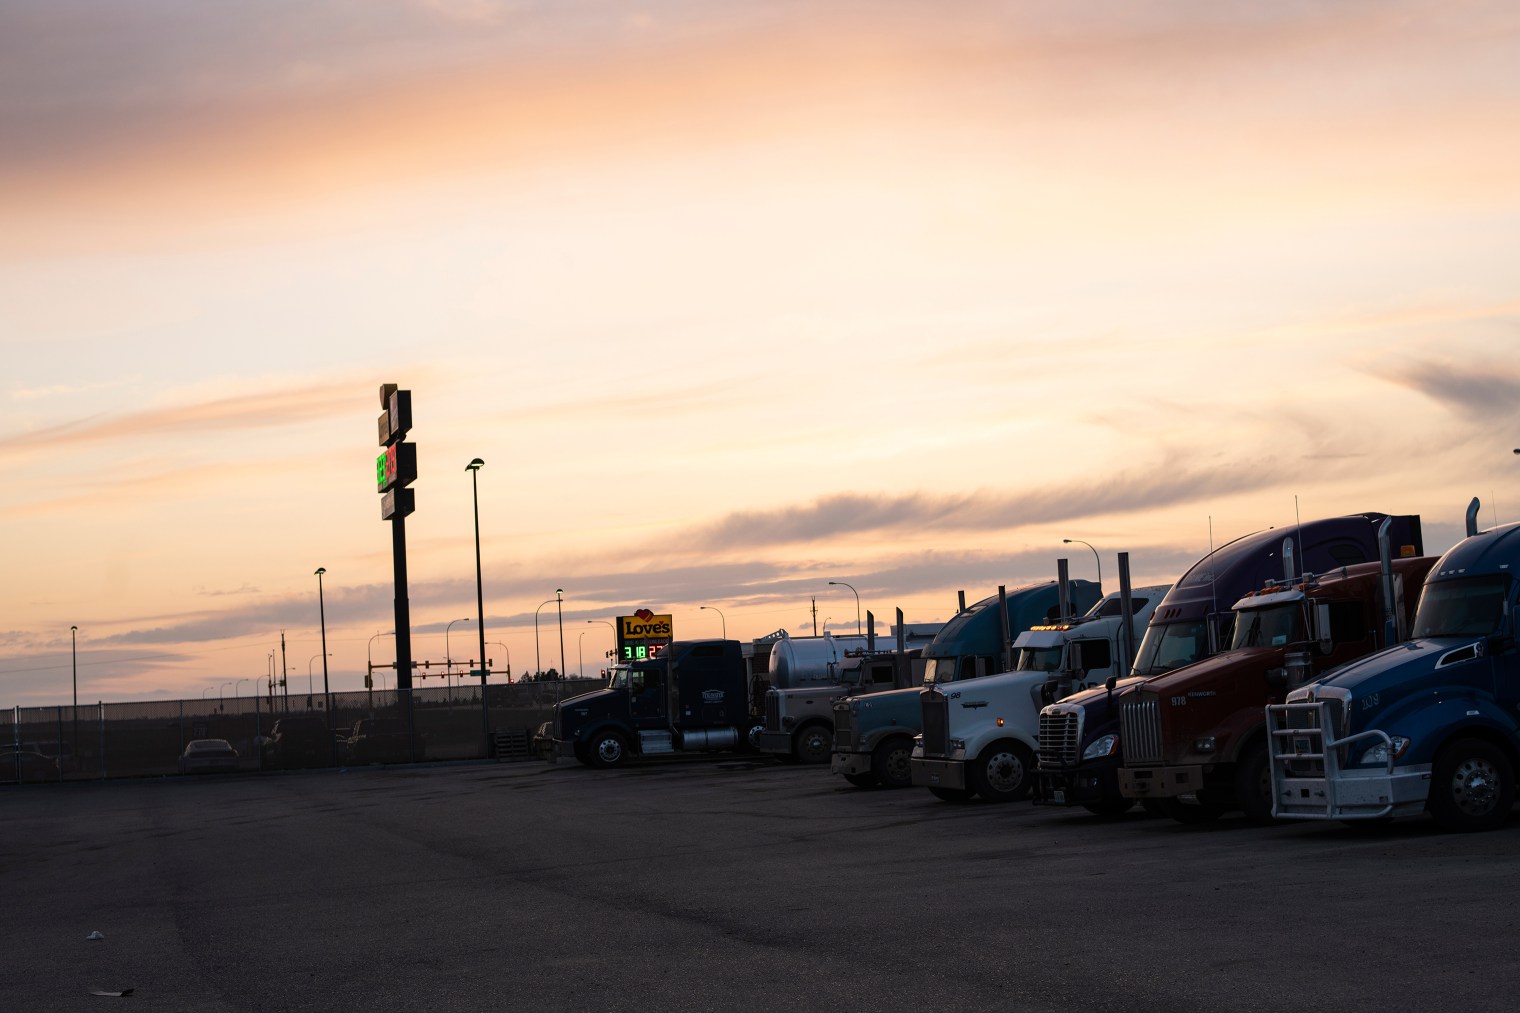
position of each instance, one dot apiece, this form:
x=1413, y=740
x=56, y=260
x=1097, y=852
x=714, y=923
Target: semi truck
x=1427, y=726
x=983, y=742
x=1195, y=739
x=1079, y=765
x=874, y=732
x=809, y=673
x=697, y=696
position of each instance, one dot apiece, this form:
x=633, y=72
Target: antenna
x=1213, y=571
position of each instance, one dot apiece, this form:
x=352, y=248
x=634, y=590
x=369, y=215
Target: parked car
x=208, y=756
x=26, y=765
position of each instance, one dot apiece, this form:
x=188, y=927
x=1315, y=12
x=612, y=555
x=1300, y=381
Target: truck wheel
x=1472, y=786
x=952, y=794
x=1182, y=812
x=813, y=744
x=1253, y=785
x=890, y=763
x=753, y=736
x=608, y=749
x=1003, y=772
x=861, y=780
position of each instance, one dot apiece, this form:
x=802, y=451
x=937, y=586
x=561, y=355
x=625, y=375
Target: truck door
x=646, y=695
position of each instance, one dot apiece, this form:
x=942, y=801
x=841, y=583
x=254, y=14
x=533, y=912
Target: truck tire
x=890, y=763
x=1003, y=773
x=1472, y=786
x=813, y=744
x=1253, y=785
x=607, y=750
x=952, y=794
x=861, y=780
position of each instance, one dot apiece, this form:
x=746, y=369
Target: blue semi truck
x=1082, y=754
x=1429, y=725
x=874, y=732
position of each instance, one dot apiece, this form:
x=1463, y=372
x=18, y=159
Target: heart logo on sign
x=644, y=614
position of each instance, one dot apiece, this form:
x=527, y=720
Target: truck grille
x=844, y=728
x=1060, y=739
x=936, y=723
x=1140, y=730
x=772, y=711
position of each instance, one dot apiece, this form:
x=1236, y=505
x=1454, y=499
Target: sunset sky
x=732, y=299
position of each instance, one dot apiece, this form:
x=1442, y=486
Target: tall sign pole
x=395, y=471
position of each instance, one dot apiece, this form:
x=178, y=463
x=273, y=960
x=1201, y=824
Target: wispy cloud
x=1167, y=484
x=1477, y=391
x=262, y=410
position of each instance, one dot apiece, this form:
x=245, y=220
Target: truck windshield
x=942, y=670
x=1038, y=659
x=1467, y=607
x=1170, y=646
x=1274, y=626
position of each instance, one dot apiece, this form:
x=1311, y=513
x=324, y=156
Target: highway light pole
x=322, y=615
x=448, y=656
x=538, y=660
x=856, y=593
x=612, y=654
x=480, y=602
x=1078, y=541
x=559, y=605
x=74, y=658
x=721, y=618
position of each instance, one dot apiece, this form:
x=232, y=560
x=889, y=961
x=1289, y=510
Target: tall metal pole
x=480, y=603
x=580, y=656
x=285, y=671
x=74, y=656
x=448, y=655
x=559, y=605
x=322, y=614
x=538, y=661
x=857, y=602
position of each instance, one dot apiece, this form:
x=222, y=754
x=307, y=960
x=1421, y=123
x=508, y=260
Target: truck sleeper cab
x=971, y=647
x=1195, y=739
x=1429, y=725
x=694, y=697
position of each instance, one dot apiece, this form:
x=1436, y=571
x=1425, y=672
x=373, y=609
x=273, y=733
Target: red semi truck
x=1195, y=738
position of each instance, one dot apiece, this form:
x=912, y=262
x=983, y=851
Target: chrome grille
x=773, y=711
x=1060, y=739
x=936, y=722
x=1140, y=730
x=844, y=728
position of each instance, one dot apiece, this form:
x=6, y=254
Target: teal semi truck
x=1430, y=725
x=873, y=733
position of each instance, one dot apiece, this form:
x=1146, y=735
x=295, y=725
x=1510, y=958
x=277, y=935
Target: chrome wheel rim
x=1475, y=787
x=609, y=750
x=1005, y=773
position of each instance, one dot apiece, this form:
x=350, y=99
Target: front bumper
x=1160, y=782
x=850, y=763
x=1074, y=787
x=779, y=743
x=938, y=773
x=1352, y=794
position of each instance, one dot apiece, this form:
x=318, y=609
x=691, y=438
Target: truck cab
x=694, y=697
x=1083, y=747
x=971, y=648
x=1195, y=738
x=1429, y=725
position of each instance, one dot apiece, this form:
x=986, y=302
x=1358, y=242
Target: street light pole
x=721, y=617
x=1078, y=541
x=448, y=656
x=480, y=602
x=580, y=657
x=559, y=606
x=857, y=603
x=322, y=614
x=538, y=660
x=612, y=653
x=74, y=658
x=369, y=669
x=504, y=647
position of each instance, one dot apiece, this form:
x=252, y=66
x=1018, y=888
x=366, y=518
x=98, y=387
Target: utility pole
x=284, y=671
x=815, y=617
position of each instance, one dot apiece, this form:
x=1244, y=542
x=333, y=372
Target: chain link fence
x=149, y=739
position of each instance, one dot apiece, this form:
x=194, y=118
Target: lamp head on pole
x=320, y=570
x=475, y=465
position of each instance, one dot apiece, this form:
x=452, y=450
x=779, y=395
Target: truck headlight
x=1204, y=745
x=1103, y=745
x=955, y=744
x=1379, y=753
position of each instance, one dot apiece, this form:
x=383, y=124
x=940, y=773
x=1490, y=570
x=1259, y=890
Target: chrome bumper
x=850, y=763
x=938, y=773
x=1160, y=782
x=779, y=743
x=1352, y=794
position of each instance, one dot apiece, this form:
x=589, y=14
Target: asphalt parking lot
x=694, y=885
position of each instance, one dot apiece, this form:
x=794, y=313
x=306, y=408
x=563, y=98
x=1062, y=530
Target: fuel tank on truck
x=806, y=661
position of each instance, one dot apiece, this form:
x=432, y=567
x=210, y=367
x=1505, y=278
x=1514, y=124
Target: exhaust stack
x=1472, y=518
x=1063, y=588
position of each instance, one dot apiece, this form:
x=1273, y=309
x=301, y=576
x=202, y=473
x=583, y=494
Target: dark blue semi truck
x=1081, y=749
x=1430, y=725
x=697, y=696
